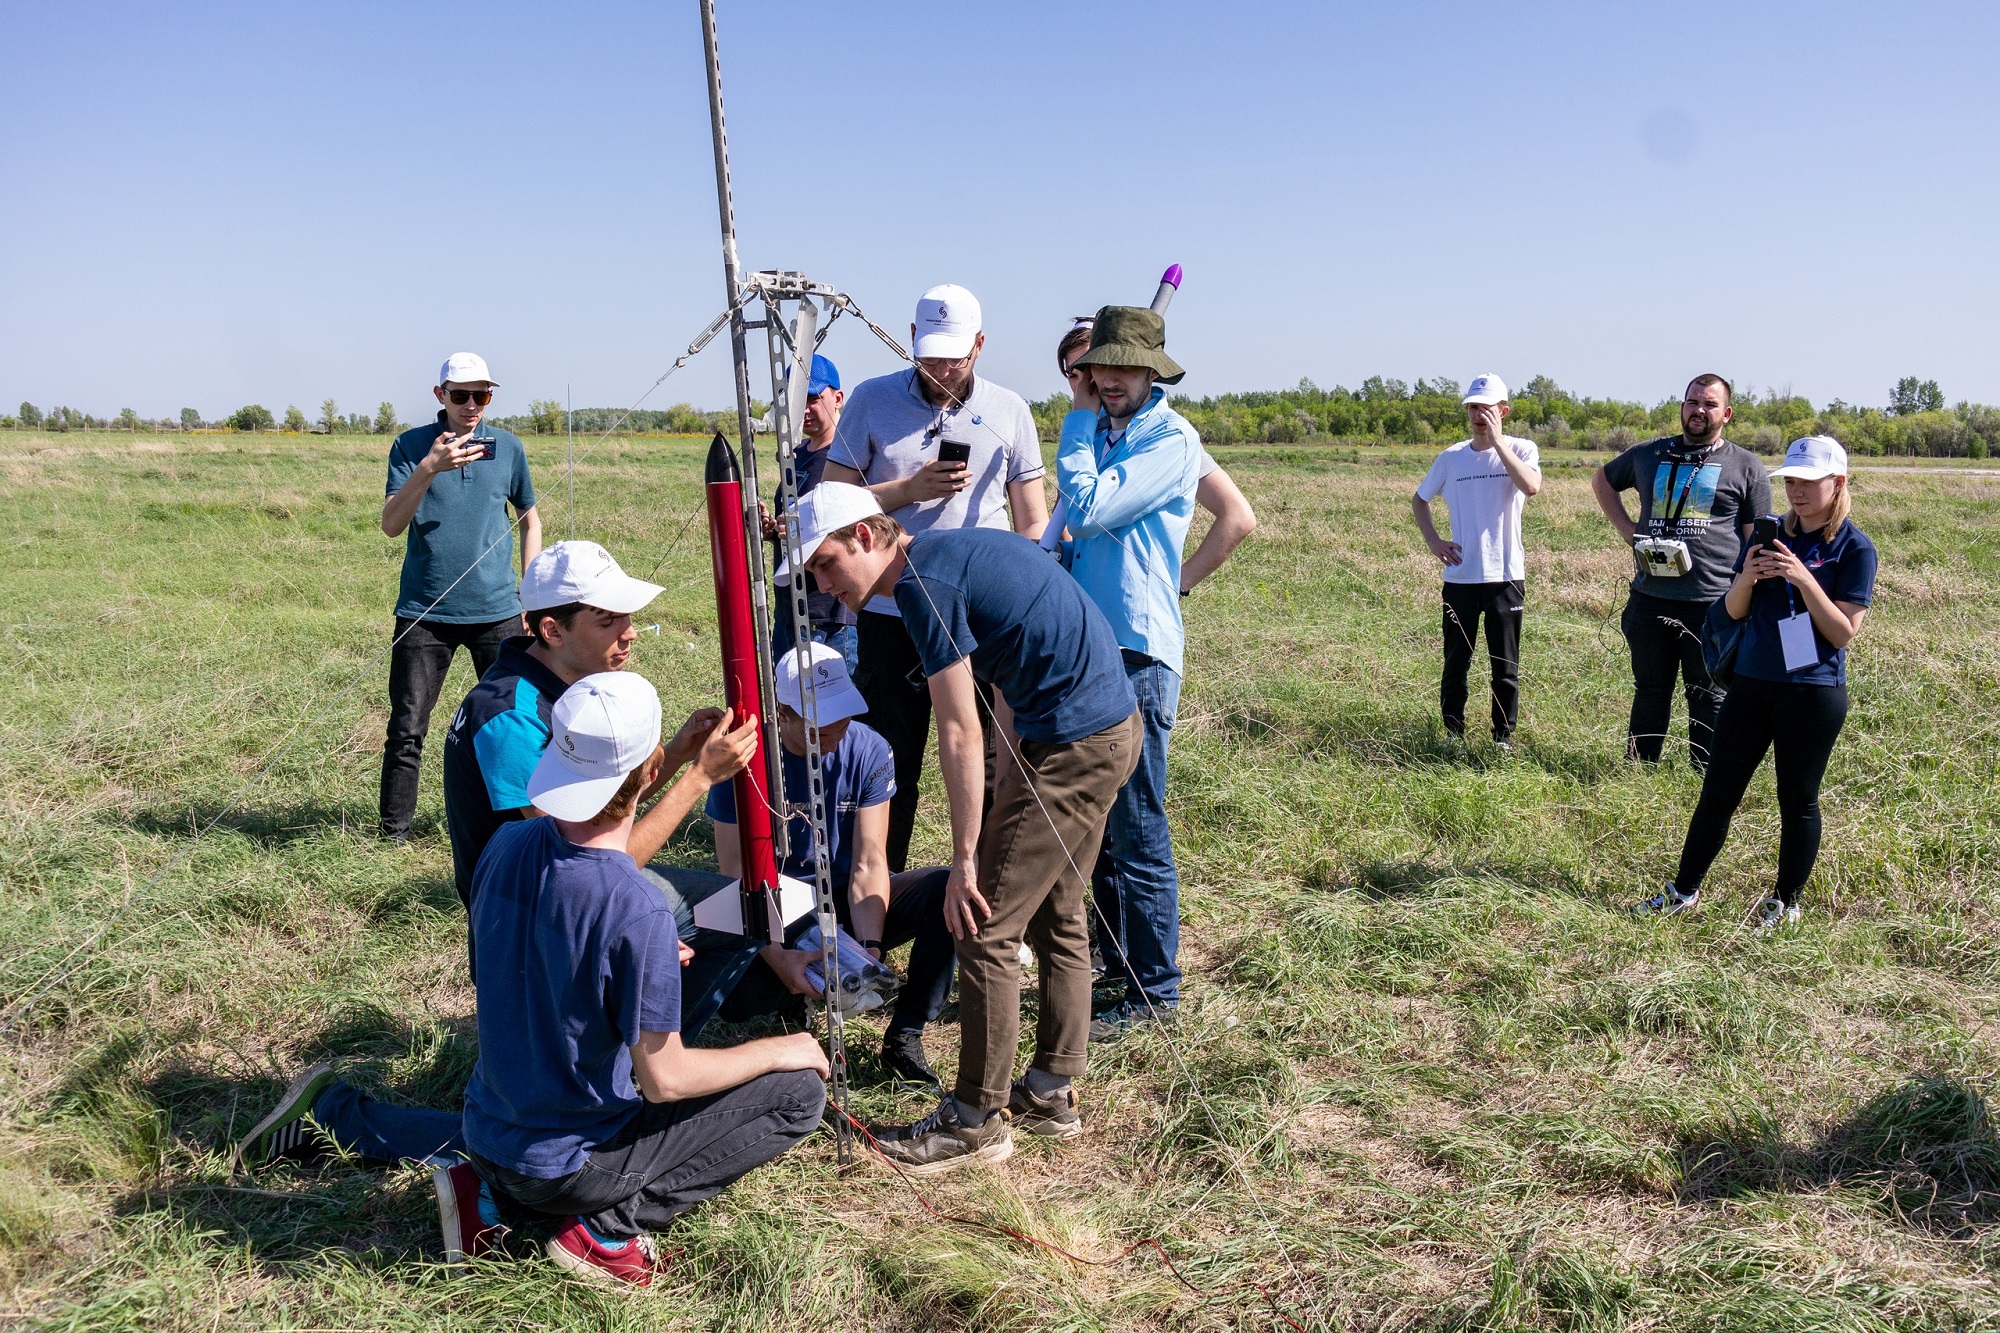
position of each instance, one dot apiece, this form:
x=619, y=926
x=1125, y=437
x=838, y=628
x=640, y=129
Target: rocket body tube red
x=740, y=679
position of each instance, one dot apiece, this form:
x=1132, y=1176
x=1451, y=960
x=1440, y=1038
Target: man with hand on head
x=1484, y=481
x=449, y=487
x=580, y=606
x=879, y=909
x=1128, y=466
x=987, y=605
x=1699, y=496
x=942, y=448
x=585, y=1104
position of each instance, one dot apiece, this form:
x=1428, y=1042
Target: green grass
x=1431, y=1075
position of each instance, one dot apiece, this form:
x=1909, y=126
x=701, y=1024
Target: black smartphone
x=1764, y=532
x=954, y=451
x=489, y=445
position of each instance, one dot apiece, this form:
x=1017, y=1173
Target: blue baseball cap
x=824, y=376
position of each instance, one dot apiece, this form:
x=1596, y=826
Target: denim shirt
x=1129, y=505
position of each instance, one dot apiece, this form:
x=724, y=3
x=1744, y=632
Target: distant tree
x=253, y=417
x=1543, y=389
x=545, y=417
x=358, y=423
x=1375, y=389
x=190, y=419
x=31, y=415
x=295, y=421
x=329, y=415
x=385, y=419
x=1911, y=396
x=128, y=419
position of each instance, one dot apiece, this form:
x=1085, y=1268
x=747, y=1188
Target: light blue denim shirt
x=1129, y=506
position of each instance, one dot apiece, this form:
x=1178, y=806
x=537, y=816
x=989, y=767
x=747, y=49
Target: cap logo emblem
x=944, y=312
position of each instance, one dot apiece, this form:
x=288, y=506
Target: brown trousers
x=1030, y=855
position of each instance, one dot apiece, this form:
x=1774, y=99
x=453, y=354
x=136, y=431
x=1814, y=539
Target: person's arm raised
x=962, y=760
x=723, y=755
x=667, y=1071
x=446, y=455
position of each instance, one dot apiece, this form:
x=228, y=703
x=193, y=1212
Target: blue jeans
x=1135, y=884
x=384, y=1132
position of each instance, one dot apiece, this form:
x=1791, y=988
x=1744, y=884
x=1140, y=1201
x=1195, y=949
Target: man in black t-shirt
x=1698, y=496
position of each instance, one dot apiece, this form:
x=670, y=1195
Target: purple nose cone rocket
x=1170, y=282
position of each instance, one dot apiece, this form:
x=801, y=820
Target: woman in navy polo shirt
x=1802, y=599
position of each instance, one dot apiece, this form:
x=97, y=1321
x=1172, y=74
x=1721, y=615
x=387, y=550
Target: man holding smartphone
x=939, y=447
x=449, y=487
x=1698, y=496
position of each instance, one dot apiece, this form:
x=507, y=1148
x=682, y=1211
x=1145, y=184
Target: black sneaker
x=938, y=1143
x=903, y=1057
x=288, y=1130
x=1053, y=1116
x=1121, y=1018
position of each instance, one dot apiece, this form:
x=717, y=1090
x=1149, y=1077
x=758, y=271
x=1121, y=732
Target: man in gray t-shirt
x=1698, y=489
x=939, y=447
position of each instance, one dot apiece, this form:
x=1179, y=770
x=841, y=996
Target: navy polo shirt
x=861, y=772
x=1843, y=567
x=496, y=738
x=461, y=527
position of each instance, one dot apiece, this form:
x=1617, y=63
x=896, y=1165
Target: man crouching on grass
x=987, y=604
x=585, y=1104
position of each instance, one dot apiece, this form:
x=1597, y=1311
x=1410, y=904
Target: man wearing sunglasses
x=450, y=483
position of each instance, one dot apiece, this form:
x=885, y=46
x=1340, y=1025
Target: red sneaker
x=634, y=1263
x=466, y=1234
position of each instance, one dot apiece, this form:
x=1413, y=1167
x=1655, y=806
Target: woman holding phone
x=1801, y=589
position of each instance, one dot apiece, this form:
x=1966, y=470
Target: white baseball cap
x=1813, y=457
x=948, y=321
x=582, y=572
x=827, y=507
x=465, y=368
x=1484, y=389
x=833, y=692
x=602, y=728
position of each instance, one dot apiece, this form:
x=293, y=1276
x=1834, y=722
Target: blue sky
x=209, y=205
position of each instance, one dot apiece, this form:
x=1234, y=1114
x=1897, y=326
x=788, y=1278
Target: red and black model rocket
x=741, y=685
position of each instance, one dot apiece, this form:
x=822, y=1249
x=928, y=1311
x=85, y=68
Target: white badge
x=1795, y=634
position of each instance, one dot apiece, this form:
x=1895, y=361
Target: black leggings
x=1800, y=722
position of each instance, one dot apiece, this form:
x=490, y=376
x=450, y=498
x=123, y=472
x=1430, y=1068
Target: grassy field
x=1431, y=1074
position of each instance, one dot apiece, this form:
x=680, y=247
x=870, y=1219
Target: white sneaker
x=1671, y=902
x=1771, y=914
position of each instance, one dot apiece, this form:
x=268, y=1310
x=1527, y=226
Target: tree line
x=1915, y=421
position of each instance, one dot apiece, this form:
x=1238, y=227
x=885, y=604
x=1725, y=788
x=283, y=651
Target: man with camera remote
x=449, y=487
x=1698, y=497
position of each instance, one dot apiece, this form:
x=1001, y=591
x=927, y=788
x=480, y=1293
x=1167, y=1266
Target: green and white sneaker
x=1670, y=902
x=1053, y=1116
x=288, y=1130
x=1772, y=914
x=939, y=1143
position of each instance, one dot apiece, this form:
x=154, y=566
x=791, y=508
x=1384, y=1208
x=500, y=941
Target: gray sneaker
x=1772, y=914
x=1054, y=1116
x=1669, y=902
x=938, y=1143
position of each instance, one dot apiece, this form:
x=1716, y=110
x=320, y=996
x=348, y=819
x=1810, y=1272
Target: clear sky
x=209, y=205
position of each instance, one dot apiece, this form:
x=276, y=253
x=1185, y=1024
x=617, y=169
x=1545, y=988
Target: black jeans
x=1665, y=638
x=1500, y=604
x=915, y=917
x=418, y=665
x=891, y=679
x=1800, y=722
x=672, y=1155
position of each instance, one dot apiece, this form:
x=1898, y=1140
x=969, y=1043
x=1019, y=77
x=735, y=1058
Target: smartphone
x=1764, y=532
x=489, y=445
x=954, y=451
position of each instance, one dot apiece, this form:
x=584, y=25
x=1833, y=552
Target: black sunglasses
x=463, y=396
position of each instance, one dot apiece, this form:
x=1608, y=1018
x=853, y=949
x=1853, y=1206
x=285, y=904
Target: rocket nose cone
x=722, y=464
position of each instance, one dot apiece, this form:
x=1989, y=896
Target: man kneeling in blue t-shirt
x=881, y=910
x=584, y=1103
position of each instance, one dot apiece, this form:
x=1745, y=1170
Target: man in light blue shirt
x=1126, y=468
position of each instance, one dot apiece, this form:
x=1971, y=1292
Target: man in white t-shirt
x=939, y=447
x=1484, y=482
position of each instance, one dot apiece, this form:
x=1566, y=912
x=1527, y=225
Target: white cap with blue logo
x=1813, y=457
x=1484, y=389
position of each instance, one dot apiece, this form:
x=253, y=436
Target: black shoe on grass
x=1052, y=1116
x=903, y=1057
x=287, y=1131
x=939, y=1143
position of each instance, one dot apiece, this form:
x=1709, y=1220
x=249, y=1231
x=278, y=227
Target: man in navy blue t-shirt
x=585, y=1104
x=881, y=910
x=985, y=605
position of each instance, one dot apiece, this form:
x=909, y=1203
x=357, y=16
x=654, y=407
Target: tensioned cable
x=70, y=961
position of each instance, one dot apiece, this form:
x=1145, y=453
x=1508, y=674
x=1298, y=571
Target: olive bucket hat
x=1126, y=335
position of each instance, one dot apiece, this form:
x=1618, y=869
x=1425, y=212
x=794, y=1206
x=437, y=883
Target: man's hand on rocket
x=727, y=751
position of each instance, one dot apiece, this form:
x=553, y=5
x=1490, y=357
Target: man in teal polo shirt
x=449, y=487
